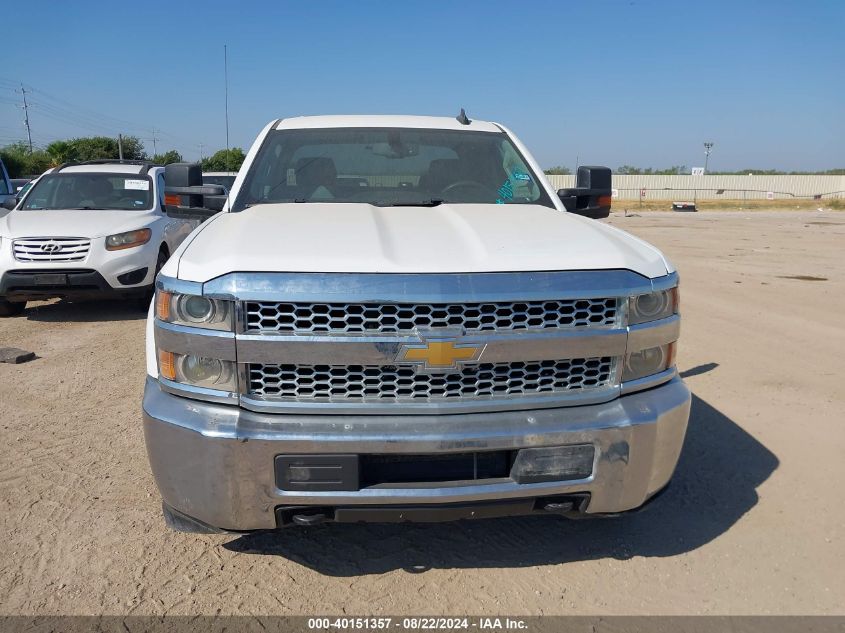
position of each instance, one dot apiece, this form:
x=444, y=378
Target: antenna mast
x=226, y=96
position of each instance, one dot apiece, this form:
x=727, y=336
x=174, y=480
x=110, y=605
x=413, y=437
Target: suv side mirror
x=10, y=203
x=185, y=195
x=592, y=194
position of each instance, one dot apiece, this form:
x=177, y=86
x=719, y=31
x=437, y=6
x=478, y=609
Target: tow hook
x=571, y=505
x=308, y=519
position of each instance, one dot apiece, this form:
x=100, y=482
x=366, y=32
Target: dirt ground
x=753, y=523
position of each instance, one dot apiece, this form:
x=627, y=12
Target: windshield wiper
x=87, y=208
x=255, y=204
x=434, y=202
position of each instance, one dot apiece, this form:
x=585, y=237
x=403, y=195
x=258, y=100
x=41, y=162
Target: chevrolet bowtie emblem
x=438, y=356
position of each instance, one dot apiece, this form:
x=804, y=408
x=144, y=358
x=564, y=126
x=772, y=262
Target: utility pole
x=120, y=146
x=26, y=117
x=226, y=97
x=708, y=147
x=154, y=139
x=201, y=156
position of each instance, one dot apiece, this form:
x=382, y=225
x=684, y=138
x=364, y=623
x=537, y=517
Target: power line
x=57, y=114
x=58, y=109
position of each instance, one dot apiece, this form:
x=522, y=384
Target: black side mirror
x=215, y=203
x=592, y=194
x=186, y=197
x=10, y=203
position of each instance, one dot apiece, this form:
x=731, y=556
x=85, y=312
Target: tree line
x=20, y=162
x=680, y=170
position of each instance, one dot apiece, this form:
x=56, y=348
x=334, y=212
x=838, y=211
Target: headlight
x=130, y=239
x=194, y=310
x=653, y=306
x=198, y=371
x=648, y=361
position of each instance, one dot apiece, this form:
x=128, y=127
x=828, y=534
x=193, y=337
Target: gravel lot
x=752, y=524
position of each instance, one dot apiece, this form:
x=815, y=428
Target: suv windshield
x=90, y=191
x=390, y=166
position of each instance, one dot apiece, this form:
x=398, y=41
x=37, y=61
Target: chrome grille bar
x=401, y=318
x=51, y=249
x=398, y=384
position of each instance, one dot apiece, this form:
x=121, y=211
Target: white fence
x=719, y=187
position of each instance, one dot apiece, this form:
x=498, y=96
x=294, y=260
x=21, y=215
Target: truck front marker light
x=649, y=361
x=194, y=310
x=130, y=239
x=163, y=299
x=653, y=306
x=167, y=364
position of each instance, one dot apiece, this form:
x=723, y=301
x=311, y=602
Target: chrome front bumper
x=215, y=462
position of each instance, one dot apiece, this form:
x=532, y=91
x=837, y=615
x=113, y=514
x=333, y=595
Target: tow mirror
x=186, y=197
x=592, y=194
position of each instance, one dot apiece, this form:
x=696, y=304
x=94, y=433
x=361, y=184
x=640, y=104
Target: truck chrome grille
x=389, y=383
x=51, y=249
x=393, y=318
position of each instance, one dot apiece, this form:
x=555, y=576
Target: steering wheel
x=466, y=184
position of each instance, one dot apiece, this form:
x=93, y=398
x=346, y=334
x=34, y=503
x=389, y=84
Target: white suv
x=88, y=230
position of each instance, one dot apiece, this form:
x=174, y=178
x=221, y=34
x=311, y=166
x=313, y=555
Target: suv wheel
x=11, y=308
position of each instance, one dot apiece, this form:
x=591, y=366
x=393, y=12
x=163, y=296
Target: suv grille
x=51, y=249
x=392, y=318
x=367, y=383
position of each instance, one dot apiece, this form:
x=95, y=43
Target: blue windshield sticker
x=505, y=192
x=518, y=175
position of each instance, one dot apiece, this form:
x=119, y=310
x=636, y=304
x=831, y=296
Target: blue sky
x=640, y=82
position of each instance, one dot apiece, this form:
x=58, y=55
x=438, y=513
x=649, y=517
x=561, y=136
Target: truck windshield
x=390, y=167
x=90, y=191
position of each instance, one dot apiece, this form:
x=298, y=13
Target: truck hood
x=333, y=237
x=72, y=223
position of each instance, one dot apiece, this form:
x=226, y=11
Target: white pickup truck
x=396, y=318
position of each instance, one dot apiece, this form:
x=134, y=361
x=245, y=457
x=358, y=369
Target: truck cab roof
x=380, y=121
x=115, y=167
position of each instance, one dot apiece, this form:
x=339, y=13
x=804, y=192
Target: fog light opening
x=559, y=463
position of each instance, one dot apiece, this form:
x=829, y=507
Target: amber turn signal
x=163, y=305
x=167, y=364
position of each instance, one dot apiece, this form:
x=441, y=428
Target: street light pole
x=708, y=147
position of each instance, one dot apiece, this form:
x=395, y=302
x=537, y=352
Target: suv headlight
x=130, y=239
x=653, y=306
x=194, y=310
